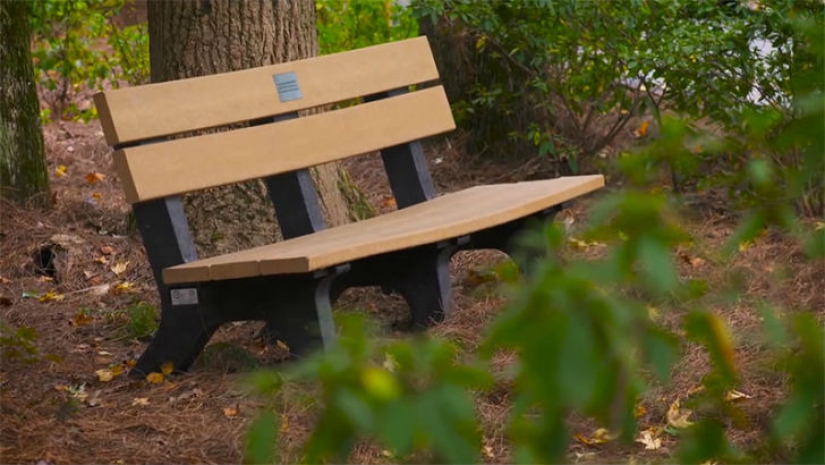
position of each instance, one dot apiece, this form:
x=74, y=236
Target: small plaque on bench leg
x=187, y=296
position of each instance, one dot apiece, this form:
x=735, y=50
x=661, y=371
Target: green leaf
x=656, y=265
x=261, y=439
x=398, y=425
x=577, y=367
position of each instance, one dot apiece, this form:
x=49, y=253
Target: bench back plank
x=159, y=170
x=158, y=110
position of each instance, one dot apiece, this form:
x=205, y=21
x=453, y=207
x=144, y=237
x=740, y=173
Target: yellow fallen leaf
x=51, y=296
x=117, y=370
x=678, y=418
x=95, y=177
x=230, y=411
x=97, y=196
x=130, y=363
x=284, y=423
x=820, y=225
x=154, y=377
x=123, y=288
x=734, y=395
x=167, y=368
x=60, y=171
x=102, y=260
x=282, y=345
x=600, y=436
x=142, y=401
x=488, y=452
x=105, y=375
x=649, y=439
x=119, y=267
x=639, y=411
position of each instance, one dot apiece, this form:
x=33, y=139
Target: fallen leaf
x=4, y=280
x=107, y=250
x=649, y=439
x=734, y=395
x=230, y=411
x=119, y=267
x=600, y=436
x=60, y=171
x=117, y=370
x=97, y=196
x=102, y=260
x=167, y=368
x=677, y=417
x=389, y=202
x=81, y=318
x=89, y=274
x=820, y=225
x=639, y=411
x=282, y=345
x=155, y=378
x=94, y=400
x=45, y=279
x=141, y=401
x=130, y=363
x=51, y=296
x=122, y=288
x=95, y=177
x=284, y=423
x=643, y=128
x=488, y=452
x=105, y=375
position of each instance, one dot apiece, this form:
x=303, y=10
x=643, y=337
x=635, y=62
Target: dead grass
x=201, y=417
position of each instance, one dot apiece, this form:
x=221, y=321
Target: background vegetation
x=562, y=80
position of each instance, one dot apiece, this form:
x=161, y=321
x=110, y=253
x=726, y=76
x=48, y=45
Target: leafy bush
x=78, y=43
x=350, y=24
x=564, y=78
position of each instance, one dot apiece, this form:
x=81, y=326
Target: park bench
x=291, y=284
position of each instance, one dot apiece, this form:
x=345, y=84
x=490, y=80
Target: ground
x=87, y=313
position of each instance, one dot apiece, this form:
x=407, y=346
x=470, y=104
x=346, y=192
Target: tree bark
x=197, y=38
x=23, y=173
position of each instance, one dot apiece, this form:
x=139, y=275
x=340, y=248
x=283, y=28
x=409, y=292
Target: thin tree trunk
x=197, y=38
x=23, y=173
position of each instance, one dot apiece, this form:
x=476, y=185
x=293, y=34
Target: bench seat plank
x=449, y=216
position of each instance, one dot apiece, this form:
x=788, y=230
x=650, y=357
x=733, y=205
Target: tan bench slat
x=162, y=109
x=185, y=165
x=445, y=217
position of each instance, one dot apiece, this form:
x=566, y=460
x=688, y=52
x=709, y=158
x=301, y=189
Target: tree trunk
x=197, y=38
x=23, y=173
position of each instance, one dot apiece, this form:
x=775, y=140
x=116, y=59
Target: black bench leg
x=302, y=319
x=505, y=238
x=183, y=333
x=423, y=279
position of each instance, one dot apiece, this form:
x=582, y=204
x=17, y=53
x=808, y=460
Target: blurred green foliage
x=349, y=24
x=582, y=330
x=78, y=45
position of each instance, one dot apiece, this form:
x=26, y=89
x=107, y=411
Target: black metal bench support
x=297, y=308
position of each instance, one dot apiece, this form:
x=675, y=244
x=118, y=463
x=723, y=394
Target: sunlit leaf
x=105, y=375
x=119, y=267
x=677, y=417
x=649, y=438
x=51, y=296
x=60, y=171
x=95, y=177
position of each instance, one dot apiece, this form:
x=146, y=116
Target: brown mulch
x=55, y=410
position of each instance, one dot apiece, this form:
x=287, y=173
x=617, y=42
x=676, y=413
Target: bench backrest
x=139, y=121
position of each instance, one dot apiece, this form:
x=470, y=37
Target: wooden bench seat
x=446, y=217
x=387, y=102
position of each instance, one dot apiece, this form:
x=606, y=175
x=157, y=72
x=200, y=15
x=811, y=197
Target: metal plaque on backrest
x=287, y=85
